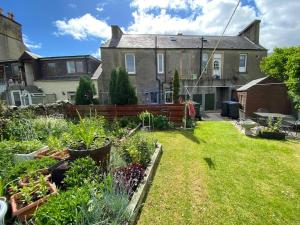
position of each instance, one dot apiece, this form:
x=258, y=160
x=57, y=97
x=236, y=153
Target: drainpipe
x=156, y=73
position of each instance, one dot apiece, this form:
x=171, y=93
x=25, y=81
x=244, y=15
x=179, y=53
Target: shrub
x=47, y=126
x=85, y=91
x=137, y=149
x=9, y=148
x=20, y=127
x=161, y=122
x=130, y=122
x=64, y=208
x=121, y=90
x=129, y=177
x=176, y=87
x=82, y=171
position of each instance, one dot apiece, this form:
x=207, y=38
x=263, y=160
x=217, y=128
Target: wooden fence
x=173, y=111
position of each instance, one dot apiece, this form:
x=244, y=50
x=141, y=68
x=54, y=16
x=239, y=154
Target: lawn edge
x=139, y=197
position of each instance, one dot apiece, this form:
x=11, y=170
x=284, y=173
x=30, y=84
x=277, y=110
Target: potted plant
x=248, y=125
x=90, y=140
x=55, y=149
x=34, y=176
x=25, y=202
x=273, y=130
x=3, y=204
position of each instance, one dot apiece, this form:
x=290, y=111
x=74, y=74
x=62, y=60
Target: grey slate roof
x=251, y=84
x=180, y=42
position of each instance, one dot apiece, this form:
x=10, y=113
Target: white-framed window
x=153, y=97
x=79, y=67
x=71, y=67
x=243, y=63
x=130, y=63
x=169, y=97
x=160, y=63
x=204, y=61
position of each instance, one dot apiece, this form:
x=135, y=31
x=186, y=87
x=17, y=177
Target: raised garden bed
x=138, y=198
x=58, y=155
x=23, y=211
x=272, y=135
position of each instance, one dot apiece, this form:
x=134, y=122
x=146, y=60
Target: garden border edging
x=138, y=198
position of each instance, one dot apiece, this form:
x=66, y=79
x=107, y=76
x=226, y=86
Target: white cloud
x=72, y=5
x=83, y=27
x=280, y=25
x=210, y=19
x=30, y=44
x=97, y=54
x=99, y=9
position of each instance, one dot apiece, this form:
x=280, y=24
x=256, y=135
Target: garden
x=84, y=170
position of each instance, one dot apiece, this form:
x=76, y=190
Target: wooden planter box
x=45, y=172
x=272, y=135
x=58, y=155
x=27, y=211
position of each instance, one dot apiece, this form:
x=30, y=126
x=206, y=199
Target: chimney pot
x=10, y=15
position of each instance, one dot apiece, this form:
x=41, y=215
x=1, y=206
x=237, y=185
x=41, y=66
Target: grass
x=215, y=175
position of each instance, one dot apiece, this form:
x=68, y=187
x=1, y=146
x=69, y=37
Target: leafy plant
x=89, y=131
x=55, y=143
x=26, y=167
x=129, y=177
x=274, y=126
x=161, y=122
x=63, y=208
x=137, y=149
x=82, y=171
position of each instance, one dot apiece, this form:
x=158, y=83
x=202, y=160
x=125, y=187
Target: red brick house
x=267, y=93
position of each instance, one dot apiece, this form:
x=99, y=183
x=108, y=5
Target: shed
x=267, y=93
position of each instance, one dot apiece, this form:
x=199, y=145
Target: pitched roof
x=251, y=84
x=180, y=42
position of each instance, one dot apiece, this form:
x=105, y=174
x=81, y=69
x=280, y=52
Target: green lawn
x=215, y=175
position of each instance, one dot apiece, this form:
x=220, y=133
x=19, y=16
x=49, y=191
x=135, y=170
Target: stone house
x=151, y=60
x=26, y=78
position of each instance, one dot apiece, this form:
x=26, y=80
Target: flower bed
x=91, y=190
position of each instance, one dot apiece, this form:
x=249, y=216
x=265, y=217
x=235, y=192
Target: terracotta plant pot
x=24, y=213
x=100, y=155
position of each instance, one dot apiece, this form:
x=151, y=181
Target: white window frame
x=67, y=63
x=126, y=67
x=243, y=69
x=167, y=92
x=162, y=62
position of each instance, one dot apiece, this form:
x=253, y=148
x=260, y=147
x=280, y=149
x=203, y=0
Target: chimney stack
x=116, y=32
x=10, y=15
x=1, y=11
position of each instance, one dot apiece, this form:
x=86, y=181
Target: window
x=216, y=65
x=79, y=67
x=169, y=97
x=51, y=68
x=1, y=74
x=130, y=63
x=71, y=67
x=160, y=63
x=15, y=69
x=153, y=97
x=71, y=96
x=243, y=63
x=204, y=61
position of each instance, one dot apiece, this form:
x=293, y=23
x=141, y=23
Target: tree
x=284, y=64
x=176, y=87
x=113, y=87
x=85, y=91
x=121, y=90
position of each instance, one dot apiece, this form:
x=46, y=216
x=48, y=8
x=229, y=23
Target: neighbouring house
x=264, y=93
x=27, y=78
x=151, y=60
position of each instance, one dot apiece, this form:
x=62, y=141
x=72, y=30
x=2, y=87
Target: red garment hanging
x=192, y=111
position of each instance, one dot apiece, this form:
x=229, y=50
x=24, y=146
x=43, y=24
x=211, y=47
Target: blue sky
x=71, y=27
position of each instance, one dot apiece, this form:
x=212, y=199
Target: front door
x=209, y=102
x=217, y=66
